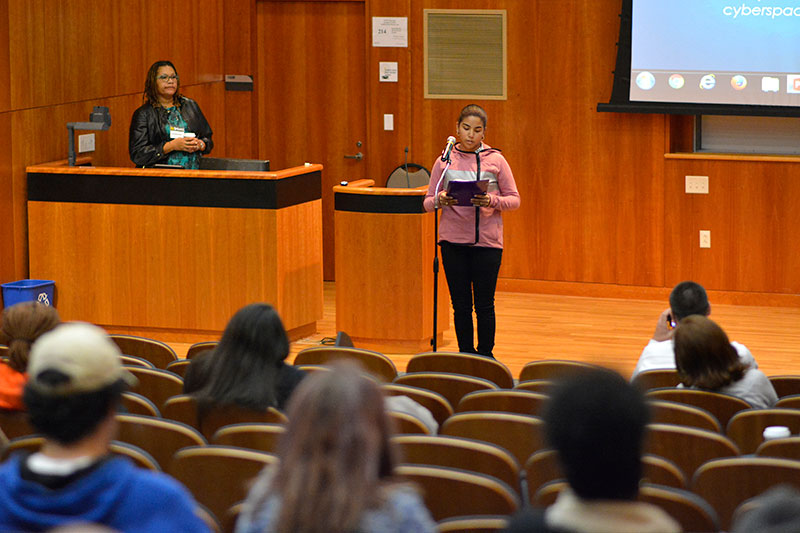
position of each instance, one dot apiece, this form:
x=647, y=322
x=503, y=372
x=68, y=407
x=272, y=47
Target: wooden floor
x=606, y=331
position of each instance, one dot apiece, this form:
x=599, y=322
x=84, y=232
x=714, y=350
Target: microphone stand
x=436, y=254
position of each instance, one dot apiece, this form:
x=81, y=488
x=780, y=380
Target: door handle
x=358, y=156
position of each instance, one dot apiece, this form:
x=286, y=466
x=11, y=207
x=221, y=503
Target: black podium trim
x=178, y=191
x=371, y=203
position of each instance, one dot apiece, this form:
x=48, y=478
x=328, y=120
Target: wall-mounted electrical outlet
x=696, y=184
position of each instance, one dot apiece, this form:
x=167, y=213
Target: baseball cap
x=82, y=352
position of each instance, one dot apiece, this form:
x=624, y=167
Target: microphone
x=408, y=180
x=451, y=142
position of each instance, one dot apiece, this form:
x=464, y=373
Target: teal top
x=189, y=160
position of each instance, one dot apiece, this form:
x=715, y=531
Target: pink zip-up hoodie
x=458, y=223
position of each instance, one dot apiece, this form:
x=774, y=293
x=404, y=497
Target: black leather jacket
x=148, y=133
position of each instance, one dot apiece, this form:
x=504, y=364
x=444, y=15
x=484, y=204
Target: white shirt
x=661, y=354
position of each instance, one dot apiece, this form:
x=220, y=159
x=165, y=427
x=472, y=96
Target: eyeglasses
x=164, y=77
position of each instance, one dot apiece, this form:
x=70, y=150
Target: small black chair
x=408, y=176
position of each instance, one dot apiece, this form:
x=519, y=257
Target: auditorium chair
x=136, y=404
x=746, y=428
x=374, y=362
x=406, y=424
x=157, y=352
x=507, y=401
x=452, y=386
x=552, y=369
x=655, y=379
x=156, y=384
x=199, y=347
x=785, y=385
x=668, y=412
x=260, y=437
x=472, y=524
x=521, y=435
x=456, y=452
x=463, y=363
x=542, y=386
x=450, y=492
x=722, y=406
x=159, y=437
x=687, y=447
x=726, y=483
x=434, y=402
x=785, y=448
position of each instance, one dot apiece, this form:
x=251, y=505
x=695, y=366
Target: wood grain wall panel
x=5, y=59
x=751, y=211
x=8, y=227
x=312, y=93
x=240, y=41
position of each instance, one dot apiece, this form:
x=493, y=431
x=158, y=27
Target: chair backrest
x=722, y=406
x=508, y=401
x=434, y=402
x=179, y=366
x=691, y=511
x=417, y=176
x=682, y=414
x=547, y=494
x=135, y=360
x=785, y=385
x=452, y=386
x=24, y=443
x=183, y=408
x=747, y=427
x=463, y=363
x=259, y=437
x=156, y=384
x=406, y=424
x=542, y=386
x=540, y=468
x=157, y=352
x=726, y=483
x=790, y=402
x=140, y=457
x=224, y=415
x=374, y=362
x=456, y=452
x=687, y=447
x=15, y=424
x=136, y=404
x=655, y=379
x=519, y=434
x=473, y=524
x=786, y=448
x=199, y=347
x=449, y=492
x=662, y=471
x=218, y=476
x=159, y=437
x=553, y=369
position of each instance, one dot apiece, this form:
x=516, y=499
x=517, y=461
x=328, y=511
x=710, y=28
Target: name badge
x=176, y=133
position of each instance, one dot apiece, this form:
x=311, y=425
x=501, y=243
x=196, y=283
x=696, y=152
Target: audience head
x=198, y=373
x=151, y=82
x=688, y=298
x=247, y=359
x=596, y=421
x=335, y=453
x=704, y=356
x=775, y=511
x=23, y=323
x=76, y=380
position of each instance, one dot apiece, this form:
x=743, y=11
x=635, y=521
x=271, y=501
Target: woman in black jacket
x=168, y=128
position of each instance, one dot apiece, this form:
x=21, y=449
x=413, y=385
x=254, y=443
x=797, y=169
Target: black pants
x=472, y=271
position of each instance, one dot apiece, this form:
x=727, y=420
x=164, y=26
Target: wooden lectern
x=173, y=254
x=384, y=269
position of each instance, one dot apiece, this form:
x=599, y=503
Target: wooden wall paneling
x=241, y=110
x=8, y=250
x=5, y=59
x=311, y=93
x=387, y=148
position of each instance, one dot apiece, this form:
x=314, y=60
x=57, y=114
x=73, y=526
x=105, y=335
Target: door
x=311, y=90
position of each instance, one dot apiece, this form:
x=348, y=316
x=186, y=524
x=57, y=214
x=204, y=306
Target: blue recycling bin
x=28, y=290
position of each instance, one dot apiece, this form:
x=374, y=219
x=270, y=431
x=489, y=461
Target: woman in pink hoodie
x=471, y=236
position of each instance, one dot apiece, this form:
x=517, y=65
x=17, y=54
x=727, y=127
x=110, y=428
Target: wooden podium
x=173, y=254
x=384, y=269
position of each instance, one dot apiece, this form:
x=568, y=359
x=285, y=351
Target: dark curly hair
x=150, y=95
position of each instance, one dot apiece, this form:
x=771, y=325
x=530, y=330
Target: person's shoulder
x=403, y=510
